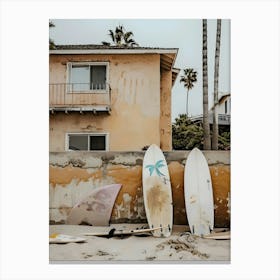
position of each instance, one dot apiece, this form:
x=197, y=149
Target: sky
x=185, y=34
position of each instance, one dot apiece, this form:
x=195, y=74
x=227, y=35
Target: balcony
x=79, y=97
x=223, y=119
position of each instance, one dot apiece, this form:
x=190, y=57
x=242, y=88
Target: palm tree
x=120, y=37
x=189, y=78
x=206, y=126
x=216, y=86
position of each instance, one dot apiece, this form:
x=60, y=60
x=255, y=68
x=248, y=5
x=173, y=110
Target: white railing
x=222, y=118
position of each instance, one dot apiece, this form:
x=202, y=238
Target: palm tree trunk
x=206, y=126
x=216, y=86
x=187, y=103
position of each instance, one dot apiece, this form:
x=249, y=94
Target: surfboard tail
x=200, y=229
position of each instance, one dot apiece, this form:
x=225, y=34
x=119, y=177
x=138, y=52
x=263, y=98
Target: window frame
x=226, y=107
x=68, y=134
x=86, y=63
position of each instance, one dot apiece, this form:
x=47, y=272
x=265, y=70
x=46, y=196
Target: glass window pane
x=78, y=142
x=98, y=77
x=80, y=78
x=98, y=142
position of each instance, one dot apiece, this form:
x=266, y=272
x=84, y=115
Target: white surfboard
x=57, y=238
x=118, y=232
x=218, y=235
x=198, y=194
x=157, y=192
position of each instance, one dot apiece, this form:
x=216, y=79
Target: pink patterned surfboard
x=96, y=208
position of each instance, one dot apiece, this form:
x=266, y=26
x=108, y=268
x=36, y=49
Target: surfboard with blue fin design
x=157, y=192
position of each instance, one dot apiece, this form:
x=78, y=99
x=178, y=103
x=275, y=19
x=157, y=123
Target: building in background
x=224, y=112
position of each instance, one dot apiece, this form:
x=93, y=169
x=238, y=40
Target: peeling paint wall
x=74, y=174
x=140, y=101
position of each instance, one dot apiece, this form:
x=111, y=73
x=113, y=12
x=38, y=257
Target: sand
x=147, y=248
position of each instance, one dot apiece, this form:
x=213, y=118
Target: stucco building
x=110, y=98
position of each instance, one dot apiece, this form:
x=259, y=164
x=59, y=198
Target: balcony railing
x=79, y=94
x=223, y=119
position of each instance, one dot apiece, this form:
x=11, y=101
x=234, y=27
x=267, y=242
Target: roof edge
x=116, y=51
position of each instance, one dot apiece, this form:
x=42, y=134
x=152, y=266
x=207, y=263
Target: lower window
x=87, y=142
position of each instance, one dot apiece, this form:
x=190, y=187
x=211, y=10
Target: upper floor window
x=88, y=77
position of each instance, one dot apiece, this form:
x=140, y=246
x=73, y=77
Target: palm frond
x=189, y=78
x=119, y=29
x=112, y=35
x=51, y=24
x=106, y=43
x=127, y=35
x=52, y=45
x=120, y=37
x=183, y=79
x=130, y=42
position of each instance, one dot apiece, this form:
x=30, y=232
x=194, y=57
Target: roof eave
x=175, y=72
x=116, y=51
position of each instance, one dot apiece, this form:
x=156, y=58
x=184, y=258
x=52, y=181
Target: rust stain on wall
x=220, y=175
x=64, y=176
x=131, y=180
x=165, y=116
x=176, y=171
x=64, y=210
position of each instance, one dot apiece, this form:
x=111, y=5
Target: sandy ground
x=175, y=248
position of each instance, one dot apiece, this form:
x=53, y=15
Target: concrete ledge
x=93, y=159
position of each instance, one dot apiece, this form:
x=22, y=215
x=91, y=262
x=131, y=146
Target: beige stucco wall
x=74, y=174
x=165, y=112
x=139, y=96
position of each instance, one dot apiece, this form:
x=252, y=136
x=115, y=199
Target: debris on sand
x=182, y=243
x=150, y=258
x=180, y=246
x=102, y=253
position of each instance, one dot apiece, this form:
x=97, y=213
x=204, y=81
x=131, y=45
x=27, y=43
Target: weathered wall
x=165, y=112
x=74, y=174
x=135, y=119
